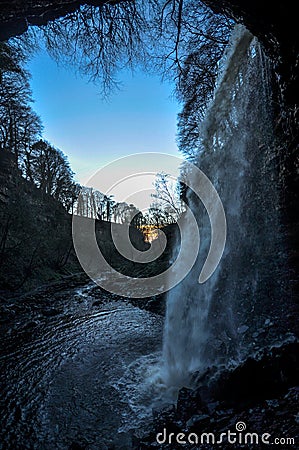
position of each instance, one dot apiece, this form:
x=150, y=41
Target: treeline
x=165, y=209
x=21, y=131
x=96, y=205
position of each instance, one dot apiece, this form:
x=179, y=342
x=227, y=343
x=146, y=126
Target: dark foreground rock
x=257, y=403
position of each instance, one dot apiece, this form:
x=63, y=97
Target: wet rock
x=30, y=325
x=223, y=421
x=165, y=414
x=198, y=421
x=189, y=402
x=17, y=412
x=154, y=304
x=76, y=446
x=52, y=312
x=242, y=329
x=122, y=441
x=272, y=403
x=168, y=408
x=97, y=303
x=263, y=393
x=212, y=407
x=264, y=378
x=143, y=432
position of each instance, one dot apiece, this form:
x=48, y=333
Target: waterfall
x=219, y=322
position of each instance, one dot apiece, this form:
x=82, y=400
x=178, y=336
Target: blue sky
x=92, y=132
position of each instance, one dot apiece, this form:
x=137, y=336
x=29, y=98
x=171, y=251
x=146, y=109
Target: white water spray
x=202, y=321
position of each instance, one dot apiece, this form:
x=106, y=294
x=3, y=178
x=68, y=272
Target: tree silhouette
x=19, y=124
x=167, y=196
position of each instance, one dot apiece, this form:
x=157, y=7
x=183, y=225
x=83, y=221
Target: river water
x=81, y=376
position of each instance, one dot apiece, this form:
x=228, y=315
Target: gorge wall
x=36, y=244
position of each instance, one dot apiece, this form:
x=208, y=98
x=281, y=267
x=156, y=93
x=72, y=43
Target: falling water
x=220, y=321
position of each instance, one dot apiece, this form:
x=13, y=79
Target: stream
x=80, y=375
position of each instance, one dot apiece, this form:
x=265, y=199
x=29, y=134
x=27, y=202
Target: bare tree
x=48, y=168
x=167, y=197
x=105, y=207
x=20, y=126
x=101, y=40
x=158, y=34
x=183, y=40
